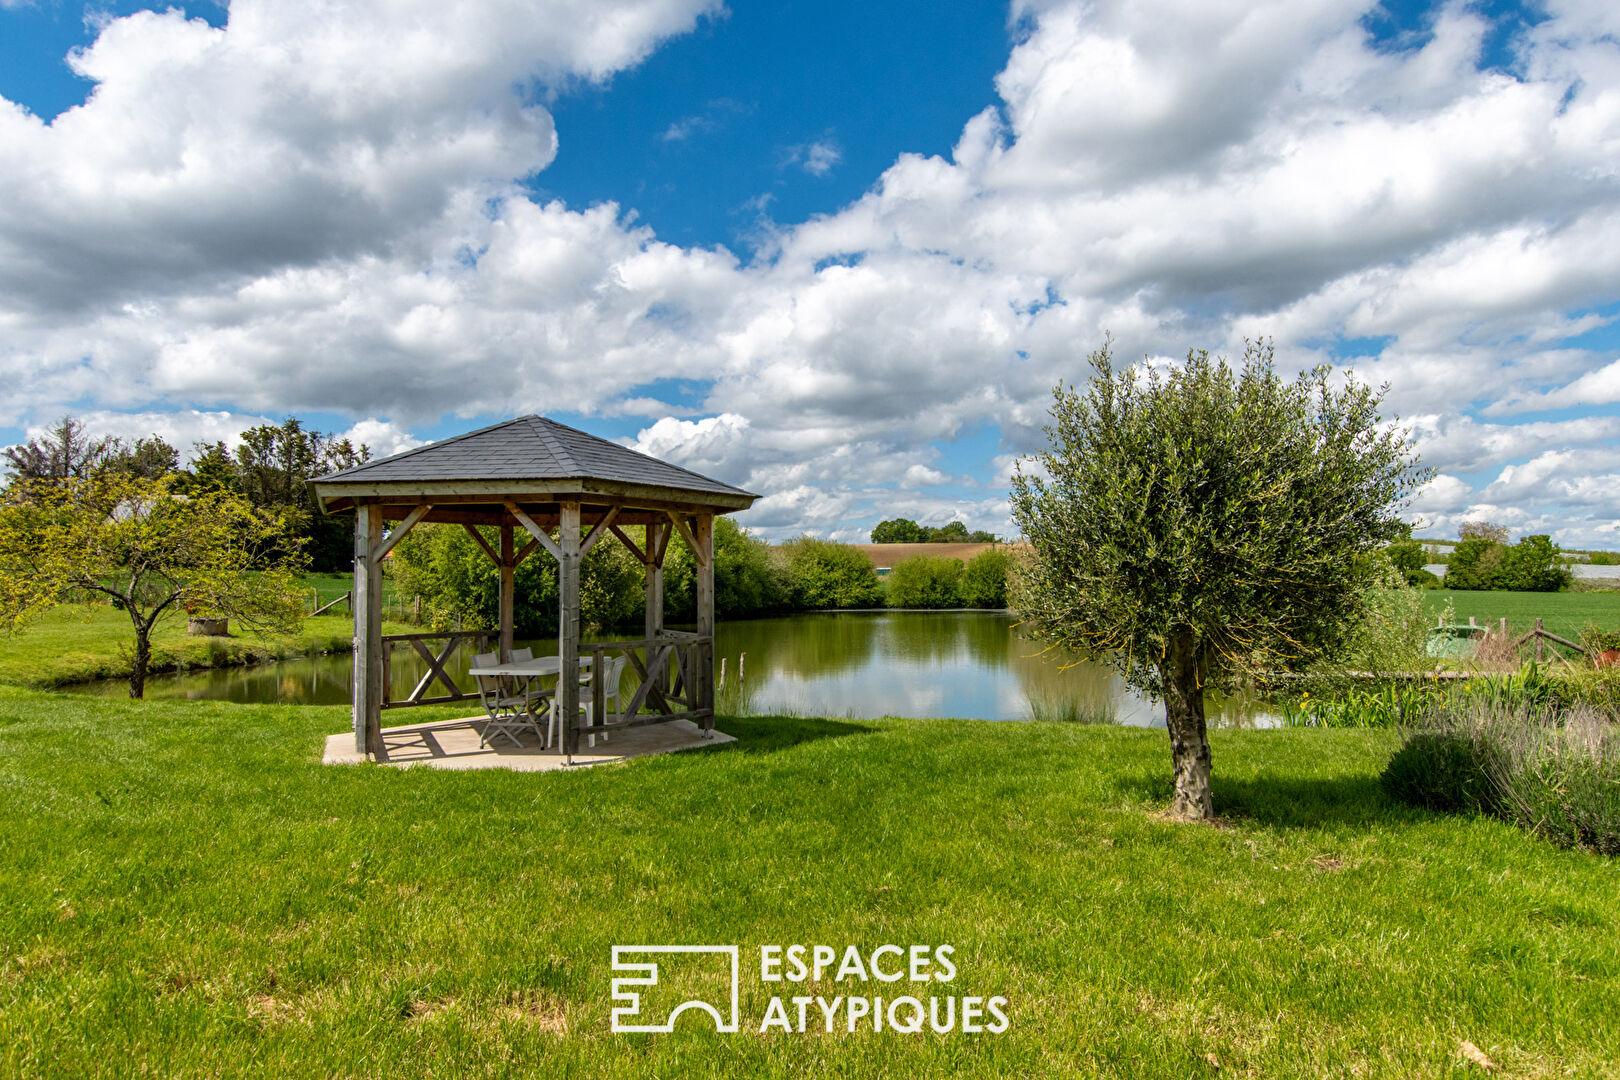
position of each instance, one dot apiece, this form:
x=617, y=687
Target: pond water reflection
x=968, y=664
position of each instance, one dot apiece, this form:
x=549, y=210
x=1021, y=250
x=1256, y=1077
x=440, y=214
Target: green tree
x=1410, y=558
x=212, y=469
x=984, y=579
x=953, y=533
x=1476, y=561
x=64, y=452
x=274, y=464
x=150, y=552
x=1533, y=565
x=1204, y=522
x=899, y=531
x=828, y=575
x=147, y=459
x=925, y=581
x=1483, y=530
x=461, y=586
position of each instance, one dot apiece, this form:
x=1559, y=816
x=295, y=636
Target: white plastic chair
x=612, y=674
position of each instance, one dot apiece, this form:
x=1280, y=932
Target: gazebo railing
x=435, y=662
x=673, y=676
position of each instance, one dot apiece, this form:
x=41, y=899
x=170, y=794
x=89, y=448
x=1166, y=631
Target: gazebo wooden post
x=567, y=697
x=508, y=575
x=368, y=527
x=704, y=557
x=655, y=594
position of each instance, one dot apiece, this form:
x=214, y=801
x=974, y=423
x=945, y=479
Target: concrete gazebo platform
x=565, y=491
x=454, y=744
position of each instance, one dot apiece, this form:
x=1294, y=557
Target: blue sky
x=838, y=253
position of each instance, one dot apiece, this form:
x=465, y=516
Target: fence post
x=722, y=685
x=1539, y=641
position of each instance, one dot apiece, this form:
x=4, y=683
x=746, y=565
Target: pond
x=968, y=664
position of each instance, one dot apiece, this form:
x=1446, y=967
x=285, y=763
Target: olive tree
x=132, y=541
x=1197, y=523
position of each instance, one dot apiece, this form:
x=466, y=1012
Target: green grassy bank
x=186, y=891
x=74, y=644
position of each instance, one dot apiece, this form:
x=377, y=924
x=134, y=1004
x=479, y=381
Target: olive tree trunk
x=1189, y=739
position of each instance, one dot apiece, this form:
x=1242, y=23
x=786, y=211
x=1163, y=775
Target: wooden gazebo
x=567, y=490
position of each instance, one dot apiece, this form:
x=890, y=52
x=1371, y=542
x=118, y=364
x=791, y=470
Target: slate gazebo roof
x=563, y=490
x=529, y=460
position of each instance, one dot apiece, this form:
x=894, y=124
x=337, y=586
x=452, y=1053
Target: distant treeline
x=460, y=586
x=906, y=531
x=1483, y=560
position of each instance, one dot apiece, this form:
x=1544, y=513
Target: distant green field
x=1561, y=613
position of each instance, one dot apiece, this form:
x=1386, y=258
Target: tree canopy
x=1482, y=560
x=68, y=452
x=271, y=466
x=1199, y=522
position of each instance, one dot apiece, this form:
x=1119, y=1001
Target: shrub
x=1409, y=557
x=1389, y=633
x=1441, y=770
x=924, y=581
x=1552, y=770
x=1597, y=639
x=984, y=579
x=822, y=574
x=748, y=578
x=1560, y=778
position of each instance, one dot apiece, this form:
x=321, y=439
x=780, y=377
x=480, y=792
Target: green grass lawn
x=329, y=587
x=186, y=891
x=74, y=643
x=1562, y=613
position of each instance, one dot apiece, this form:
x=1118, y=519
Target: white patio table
x=526, y=672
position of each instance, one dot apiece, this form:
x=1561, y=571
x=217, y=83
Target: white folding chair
x=509, y=713
x=534, y=696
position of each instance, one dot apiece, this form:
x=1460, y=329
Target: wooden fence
x=435, y=660
x=1540, y=635
x=394, y=608
x=672, y=673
